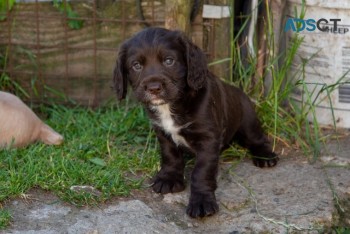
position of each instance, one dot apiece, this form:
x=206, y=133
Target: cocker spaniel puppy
x=191, y=111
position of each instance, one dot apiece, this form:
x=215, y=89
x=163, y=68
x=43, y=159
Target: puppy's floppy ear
x=197, y=69
x=120, y=74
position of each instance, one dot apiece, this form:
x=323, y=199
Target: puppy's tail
x=49, y=136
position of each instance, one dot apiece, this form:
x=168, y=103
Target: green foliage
x=5, y=6
x=5, y=218
x=64, y=7
x=285, y=121
x=342, y=230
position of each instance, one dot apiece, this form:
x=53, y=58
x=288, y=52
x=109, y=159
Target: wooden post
x=177, y=15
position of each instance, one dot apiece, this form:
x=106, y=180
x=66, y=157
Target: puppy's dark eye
x=169, y=62
x=136, y=66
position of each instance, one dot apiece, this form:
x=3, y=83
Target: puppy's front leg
x=203, y=182
x=170, y=178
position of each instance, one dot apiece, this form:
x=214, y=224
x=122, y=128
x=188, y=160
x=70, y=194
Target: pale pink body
x=19, y=126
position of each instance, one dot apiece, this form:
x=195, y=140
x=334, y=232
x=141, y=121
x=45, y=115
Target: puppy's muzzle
x=153, y=87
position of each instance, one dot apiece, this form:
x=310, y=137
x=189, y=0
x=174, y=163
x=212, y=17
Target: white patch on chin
x=167, y=123
x=157, y=102
x=154, y=100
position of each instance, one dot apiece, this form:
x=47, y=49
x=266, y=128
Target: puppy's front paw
x=270, y=160
x=201, y=205
x=168, y=185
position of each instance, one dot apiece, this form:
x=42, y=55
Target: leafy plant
x=5, y=6
x=65, y=7
x=286, y=122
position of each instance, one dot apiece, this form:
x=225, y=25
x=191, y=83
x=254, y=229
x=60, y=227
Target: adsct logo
x=310, y=25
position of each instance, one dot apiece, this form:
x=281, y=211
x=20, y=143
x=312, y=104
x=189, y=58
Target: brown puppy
x=191, y=111
x=19, y=126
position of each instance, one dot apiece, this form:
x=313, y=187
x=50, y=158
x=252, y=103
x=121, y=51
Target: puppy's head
x=160, y=65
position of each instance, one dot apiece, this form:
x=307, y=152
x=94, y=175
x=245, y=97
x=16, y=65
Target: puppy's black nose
x=154, y=87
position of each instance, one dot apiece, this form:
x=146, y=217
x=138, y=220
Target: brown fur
x=191, y=111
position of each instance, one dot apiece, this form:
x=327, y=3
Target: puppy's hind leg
x=252, y=136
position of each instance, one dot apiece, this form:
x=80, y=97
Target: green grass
x=5, y=218
x=341, y=230
x=112, y=149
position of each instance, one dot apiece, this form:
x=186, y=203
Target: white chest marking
x=168, y=124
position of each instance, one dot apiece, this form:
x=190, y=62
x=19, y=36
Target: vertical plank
x=177, y=15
